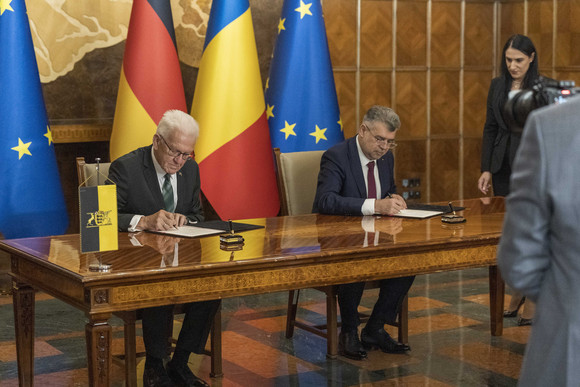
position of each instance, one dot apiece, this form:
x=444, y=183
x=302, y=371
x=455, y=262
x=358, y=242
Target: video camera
x=544, y=92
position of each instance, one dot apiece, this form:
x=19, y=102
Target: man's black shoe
x=156, y=377
x=349, y=346
x=181, y=375
x=381, y=339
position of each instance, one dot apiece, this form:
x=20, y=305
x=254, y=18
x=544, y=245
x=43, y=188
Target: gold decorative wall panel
x=445, y=103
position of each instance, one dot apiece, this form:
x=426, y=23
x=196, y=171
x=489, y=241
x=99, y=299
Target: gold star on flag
x=340, y=123
x=281, y=25
x=48, y=135
x=22, y=148
x=288, y=130
x=319, y=134
x=5, y=6
x=269, y=111
x=304, y=9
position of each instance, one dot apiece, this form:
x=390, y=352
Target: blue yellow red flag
x=301, y=101
x=151, y=81
x=31, y=198
x=233, y=150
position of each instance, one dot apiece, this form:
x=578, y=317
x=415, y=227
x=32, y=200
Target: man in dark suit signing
x=158, y=188
x=356, y=178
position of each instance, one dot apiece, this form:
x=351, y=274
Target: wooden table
x=289, y=253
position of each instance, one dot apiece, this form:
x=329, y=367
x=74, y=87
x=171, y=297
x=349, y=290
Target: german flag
x=233, y=151
x=98, y=215
x=151, y=81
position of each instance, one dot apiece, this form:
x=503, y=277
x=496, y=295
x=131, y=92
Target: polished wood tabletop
x=287, y=253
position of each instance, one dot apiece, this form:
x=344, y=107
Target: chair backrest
x=297, y=180
x=85, y=170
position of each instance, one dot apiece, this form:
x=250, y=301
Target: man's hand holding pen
x=390, y=205
x=162, y=221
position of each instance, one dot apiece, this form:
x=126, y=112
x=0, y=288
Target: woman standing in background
x=519, y=70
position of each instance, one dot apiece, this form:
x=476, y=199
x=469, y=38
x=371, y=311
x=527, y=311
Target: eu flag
x=31, y=198
x=301, y=102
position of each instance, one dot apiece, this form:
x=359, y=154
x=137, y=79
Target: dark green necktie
x=168, y=193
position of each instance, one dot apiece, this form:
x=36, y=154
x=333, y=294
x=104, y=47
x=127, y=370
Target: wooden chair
x=297, y=176
x=86, y=173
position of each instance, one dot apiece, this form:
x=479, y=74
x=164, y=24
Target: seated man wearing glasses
x=158, y=188
x=356, y=178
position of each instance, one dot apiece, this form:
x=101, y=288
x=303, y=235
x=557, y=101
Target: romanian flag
x=31, y=198
x=151, y=81
x=98, y=218
x=301, y=100
x=233, y=150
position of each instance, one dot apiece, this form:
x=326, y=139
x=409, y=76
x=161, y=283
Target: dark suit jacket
x=495, y=132
x=341, y=186
x=138, y=191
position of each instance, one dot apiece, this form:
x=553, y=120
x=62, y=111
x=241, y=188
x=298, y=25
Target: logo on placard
x=99, y=219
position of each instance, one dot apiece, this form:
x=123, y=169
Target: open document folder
x=423, y=211
x=211, y=227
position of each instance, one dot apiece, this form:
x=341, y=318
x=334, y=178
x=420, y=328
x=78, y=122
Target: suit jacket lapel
x=384, y=176
x=355, y=167
x=151, y=177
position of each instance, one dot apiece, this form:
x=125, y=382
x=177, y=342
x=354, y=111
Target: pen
x=452, y=210
x=389, y=195
x=231, y=226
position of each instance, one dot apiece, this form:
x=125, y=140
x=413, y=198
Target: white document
x=192, y=231
x=417, y=214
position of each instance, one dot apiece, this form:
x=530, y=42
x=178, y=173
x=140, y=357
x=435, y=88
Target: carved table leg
x=23, y=301
x=496, y=296
x=331, y=324
x=99, y=355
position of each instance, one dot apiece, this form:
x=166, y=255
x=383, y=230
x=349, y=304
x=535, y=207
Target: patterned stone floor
x=448, y=334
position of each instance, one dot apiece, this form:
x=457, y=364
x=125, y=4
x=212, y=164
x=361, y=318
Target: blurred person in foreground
x=539, y=251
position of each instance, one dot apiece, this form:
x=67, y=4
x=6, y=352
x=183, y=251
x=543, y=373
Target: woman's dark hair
x=525, y=45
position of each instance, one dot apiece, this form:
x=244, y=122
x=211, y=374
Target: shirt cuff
x=368, y=207
x=133, y=224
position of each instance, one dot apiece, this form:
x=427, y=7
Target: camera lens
x=517, y=108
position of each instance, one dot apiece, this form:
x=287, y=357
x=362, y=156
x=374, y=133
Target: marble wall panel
x=540, y=30
x=478, y=38
x=411, y=163
x=341, y=25
x=375, y=89
x=568, y=34
x=411, y=33
x=376, y=34
x=444, y=171
x=445, y=103
x=411, y=103
x=346, y=90
x=475, y=89
x=471, y=167
x=445, y=34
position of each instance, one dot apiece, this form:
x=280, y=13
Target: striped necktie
x=168, y=193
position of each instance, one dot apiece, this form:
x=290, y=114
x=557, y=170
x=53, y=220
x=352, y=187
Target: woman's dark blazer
x=496, y=134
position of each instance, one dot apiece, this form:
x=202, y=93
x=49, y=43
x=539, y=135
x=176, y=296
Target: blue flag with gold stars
x=31, y=198
x=301, y=102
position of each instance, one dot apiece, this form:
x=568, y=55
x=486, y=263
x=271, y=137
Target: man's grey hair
x=383, y=114
x=177, y=120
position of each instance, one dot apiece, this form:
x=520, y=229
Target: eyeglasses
x=175, y=153
x=381, y=140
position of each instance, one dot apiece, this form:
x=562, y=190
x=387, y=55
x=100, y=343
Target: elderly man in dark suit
x=158, y=188
x=356, y=178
